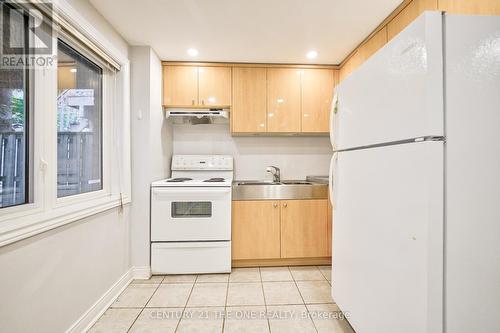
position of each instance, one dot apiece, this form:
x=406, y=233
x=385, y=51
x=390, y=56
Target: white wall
x=84, y=8
x=296, y=156
x=47, y=282
x=161, y=135
x=151, y=145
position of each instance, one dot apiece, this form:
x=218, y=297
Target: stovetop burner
x=178, y=180
x=214, y=180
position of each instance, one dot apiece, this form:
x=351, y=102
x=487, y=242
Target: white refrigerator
x=415, y=180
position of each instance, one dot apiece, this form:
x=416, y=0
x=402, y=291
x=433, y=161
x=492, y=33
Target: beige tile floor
x=266, y=299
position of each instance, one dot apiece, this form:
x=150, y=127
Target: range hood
x=197, y=116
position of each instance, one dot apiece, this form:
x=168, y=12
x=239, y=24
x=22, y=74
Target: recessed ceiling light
x=192, y=52
x=311, y=54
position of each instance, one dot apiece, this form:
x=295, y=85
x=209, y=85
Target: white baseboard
x=85, y=322
x=141, y=272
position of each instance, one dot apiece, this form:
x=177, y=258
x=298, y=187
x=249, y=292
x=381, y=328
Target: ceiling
x=269, y=31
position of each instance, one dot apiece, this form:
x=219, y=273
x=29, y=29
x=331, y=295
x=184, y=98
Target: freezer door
x=388, y=238
x=473, y=166
x=397, y=94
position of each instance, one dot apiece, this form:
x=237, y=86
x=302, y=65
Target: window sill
x=30, y=225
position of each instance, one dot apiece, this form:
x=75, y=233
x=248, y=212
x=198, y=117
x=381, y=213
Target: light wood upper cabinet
x=196, y=86
x=408, y=15
x=478, y=7
x=214, y=86
x=180, y=85
x=365, y=51
x=303, y=228
x=375, y=43
x=255, y=230
x=248, y=111
x=350, y=65
x=283, y=100
x=317, y=94
x=66, y=79
x=266, y=99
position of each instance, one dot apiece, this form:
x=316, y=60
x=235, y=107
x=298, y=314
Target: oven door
x=190, y=214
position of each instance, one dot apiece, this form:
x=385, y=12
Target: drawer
x=191, y=257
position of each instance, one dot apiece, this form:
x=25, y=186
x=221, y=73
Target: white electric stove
x=191, y=216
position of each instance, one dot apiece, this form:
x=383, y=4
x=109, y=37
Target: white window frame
x=46, y=211
x=107, y=112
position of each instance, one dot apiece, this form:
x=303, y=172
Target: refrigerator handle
x=330, y=178
x=333, y=111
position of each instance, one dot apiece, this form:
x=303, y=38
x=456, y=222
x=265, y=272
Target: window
x=14, y=133
x=79, y=123
x=192, y=209
x=64, y=124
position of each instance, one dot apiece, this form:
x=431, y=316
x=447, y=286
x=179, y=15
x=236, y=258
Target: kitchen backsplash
x=297, y=157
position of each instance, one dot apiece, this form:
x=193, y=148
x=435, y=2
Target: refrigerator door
x=472, y=174
x=388, y=239
x=397, y=94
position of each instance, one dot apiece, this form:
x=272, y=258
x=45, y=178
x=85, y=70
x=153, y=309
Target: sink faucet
x=275, y=171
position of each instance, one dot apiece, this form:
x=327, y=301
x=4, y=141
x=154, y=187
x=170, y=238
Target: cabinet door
x=408, y=15
x=255, y=230
x=350, y=65
x=180, y=85
x=283, y=100
x=248, y=111
x=476, y=7
x=304, y=228
x=375, y=43
x=317, y=94
x=215, y=86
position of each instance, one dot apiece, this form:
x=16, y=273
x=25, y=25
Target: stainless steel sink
x=285, y=190
x=251, y=182
x=296, y=182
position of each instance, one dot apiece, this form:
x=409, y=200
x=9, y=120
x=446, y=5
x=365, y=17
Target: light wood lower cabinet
x=280, y=229
x=255, y=230
x=304, y=228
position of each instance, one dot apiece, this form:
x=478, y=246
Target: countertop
x=286, y=190
x=318, y=179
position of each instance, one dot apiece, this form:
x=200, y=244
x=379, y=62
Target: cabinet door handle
x=192, y=102
x=202, y=102
x=285, y=205
x=275, y=205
